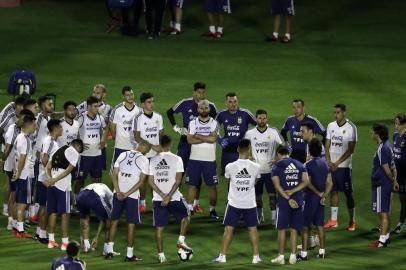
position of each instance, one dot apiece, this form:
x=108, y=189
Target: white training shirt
x=149, y=128
x=23, y=146
x=340, y=138
x=263, y=146
x=203, y=151
x=69, y=132
x=10, y=138
x=130, y=165
x=243, y=174
x=90, y=131
x=65, y=183
x=42, y=132
x=164, y=167
x=49, y=147
x=123, y=118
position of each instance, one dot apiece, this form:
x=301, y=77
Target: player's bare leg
x=20, y=219
x=84, y=232
x=191, y=195
x=276, y=23
x=130, y=244
x=113, y=230
x=143, y=194
x=212, y=191
x=322, y=237
x=351, y=210
x=260, y=209
x=227, y=238
x=184, y=225
x=272, y=206
x=253, y=234
x=65, y=218
x=305, y=239
x=281, y=241
x=212, y=25
x=293, y=240
x=43, y=218
x=12, y=214
x=51, y=230
x=159, y=239
x=6, y=197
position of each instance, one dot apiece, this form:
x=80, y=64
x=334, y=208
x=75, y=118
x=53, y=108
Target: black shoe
x=132, y=259
x=43, y=241
x=300, y=258
x=35, y=237
x=397, y=230
x=213, y=215
x=109, y=256
x=321, y=256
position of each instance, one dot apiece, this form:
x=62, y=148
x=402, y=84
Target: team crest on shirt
x=190, y=110
x=343, y=131
x=239, y=120
x=157, y=122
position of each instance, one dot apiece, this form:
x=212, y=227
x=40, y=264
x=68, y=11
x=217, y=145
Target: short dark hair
x=126, y=89
x=29, y=102
x=401, y=117
x=381, y=130
x=91, y=100
x=199, y=85
x=52, y=124
x=298, y=100
x=69, y=103
x=315, y=147
x=308, y=125
x=244, y=144
x=27, y=119
x=341, y=106
x=42, y=99
x=19, y=100
x=165, y=140
x=283, y=150
x=145, y=96
x=231, y=94
x=79, y=143
x=260, y=111
x=72, y=249
x=25, y=112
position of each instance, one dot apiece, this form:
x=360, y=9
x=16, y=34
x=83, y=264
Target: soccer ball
x=184, y=255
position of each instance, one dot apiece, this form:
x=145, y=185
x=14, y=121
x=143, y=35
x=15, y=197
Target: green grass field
x=343, y=51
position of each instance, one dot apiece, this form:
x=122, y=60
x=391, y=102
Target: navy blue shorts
x=90, y=165
x=12, y=184
x=130, y=205
x=198, y=168
x=288, y=218
x=401, y=178
x=342, y=180
x=266, y=179
x=58, y=201
x=283, y=7
x=161, y=214
x=184, y=152
x=41, y=194
x=226, y=158
x=381, y=199
x=87, y=201
x=313, y=212
x=217, y=6
x=233, y=215
x=23, y=191
x=176, y=3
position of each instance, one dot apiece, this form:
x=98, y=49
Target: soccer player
x=165, y=176
x=292, y=125
x=121, y=119
x=92, y=131
x=32, y=105
x=129, y=173
x=22, y=172
x=216, y=8
x=70, y=126
x=59, y=169
x=49, y=147
x=264, y=142
x=71, y=261
x=399, y=150
x=289, y=177
x=242, y=175
x=202, y=135
x=8, y=159
x=96, y=197
x=340, y=145
x=235, y=121
x=189, y=109
x=176, y=8
x=383, y=182
x=308, y=134
x=320, y=185
x=286, y=9
x=148, y=128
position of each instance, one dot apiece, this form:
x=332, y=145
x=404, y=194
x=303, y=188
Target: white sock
x=10, y=221
x=161, y=255
x=196, y=202
x=42, y=234
x=220, y=29
x=32, y=210
x=276, y=34
x=5, y=207
x=20, y=226
x=400, y=224
x=255, y=257
x=281, y=256
x=142, y=202
x=382, y=238
x=51, y=236
x=36, y=207
x=334, y=213
x=222, y=255
x=171, y=23
x=15, y=224
x=86, y=243
x=387, y=236
x=211, y=208
x=273, y=214
x=303, y=254
x=177, y=26
x=311, y=241
x=110, y=247
x=190, y=206
x=130, y=252
x=287, y=35
x=38, y=230
x=322, y=251
x=181, y=239
x=212, y=28
x=65, y=240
